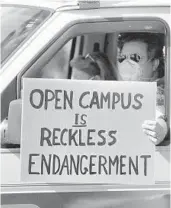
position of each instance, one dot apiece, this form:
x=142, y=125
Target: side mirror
x=14, y=122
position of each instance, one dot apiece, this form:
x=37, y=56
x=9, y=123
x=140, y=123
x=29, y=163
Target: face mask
x=129, y=70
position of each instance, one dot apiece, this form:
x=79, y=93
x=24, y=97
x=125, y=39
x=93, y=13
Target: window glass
x=58, y=66
x=17, y=23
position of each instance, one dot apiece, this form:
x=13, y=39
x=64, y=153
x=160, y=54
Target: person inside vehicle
x=94, y=66
x=140, y=58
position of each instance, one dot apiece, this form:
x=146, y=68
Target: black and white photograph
x=85, y=103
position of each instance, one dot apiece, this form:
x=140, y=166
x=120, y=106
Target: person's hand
x=155, y=130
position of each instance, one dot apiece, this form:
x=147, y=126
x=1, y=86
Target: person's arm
x=157, y=130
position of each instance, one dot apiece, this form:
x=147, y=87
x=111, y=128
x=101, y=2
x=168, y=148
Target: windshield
x=17, y=23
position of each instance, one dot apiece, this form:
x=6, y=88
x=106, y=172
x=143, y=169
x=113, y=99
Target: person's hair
x=155, y=44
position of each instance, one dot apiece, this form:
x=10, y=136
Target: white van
x=43, y=37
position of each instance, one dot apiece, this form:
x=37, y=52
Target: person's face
x=135, y=54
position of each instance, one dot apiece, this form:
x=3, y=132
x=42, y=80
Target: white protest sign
x=87, y=131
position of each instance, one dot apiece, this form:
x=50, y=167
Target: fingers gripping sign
x=155, y=130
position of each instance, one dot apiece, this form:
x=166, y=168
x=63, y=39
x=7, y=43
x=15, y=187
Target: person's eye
x=121, y=58
x=135, y=57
